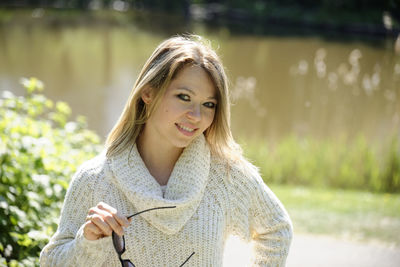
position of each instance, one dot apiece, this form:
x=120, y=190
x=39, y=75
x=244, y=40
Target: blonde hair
x=157, y=73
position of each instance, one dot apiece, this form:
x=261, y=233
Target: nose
x=194, y=113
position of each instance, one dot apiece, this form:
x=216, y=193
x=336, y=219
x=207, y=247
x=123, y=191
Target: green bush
x=39, y=152
x=339, y=163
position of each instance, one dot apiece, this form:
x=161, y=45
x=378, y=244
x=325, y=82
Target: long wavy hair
x=160, y=69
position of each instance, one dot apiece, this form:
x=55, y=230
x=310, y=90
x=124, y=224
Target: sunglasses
x=119, y=241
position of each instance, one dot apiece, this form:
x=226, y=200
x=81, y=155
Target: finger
x=113, y=223
x=89, y=217
x=121, y=219
x=101, y=224
x=105, y=206
x=91, y=212
x=103, y=216
x=91, y=231
x=92, y=228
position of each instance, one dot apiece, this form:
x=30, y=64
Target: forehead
x=195, y=79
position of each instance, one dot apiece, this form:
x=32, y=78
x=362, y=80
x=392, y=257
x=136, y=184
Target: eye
x=183, y=97
x=210, y=104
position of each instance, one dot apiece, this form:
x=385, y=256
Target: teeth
x=186, y=128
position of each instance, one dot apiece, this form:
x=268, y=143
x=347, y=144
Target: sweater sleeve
x=68, y=246
x=258, y=216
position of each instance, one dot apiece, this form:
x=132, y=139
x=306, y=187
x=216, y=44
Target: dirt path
x=315, y=251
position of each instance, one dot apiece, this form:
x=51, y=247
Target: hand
x=102, y=220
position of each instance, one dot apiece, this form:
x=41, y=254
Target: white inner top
x=163, y=188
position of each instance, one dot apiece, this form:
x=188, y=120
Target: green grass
x=354, y=215
x=341, y=163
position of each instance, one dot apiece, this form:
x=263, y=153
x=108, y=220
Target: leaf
x=39, y=153
x=63, y=108
x=32, y=84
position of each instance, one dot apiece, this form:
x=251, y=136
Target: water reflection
x=348, y=73
x=366, y=89
x=244, y=90
x=279, y=85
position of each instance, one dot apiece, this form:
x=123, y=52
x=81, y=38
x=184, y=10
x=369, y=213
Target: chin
x=183, y=143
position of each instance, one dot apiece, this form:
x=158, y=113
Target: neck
x=159, y=157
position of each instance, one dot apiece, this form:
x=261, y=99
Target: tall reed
x=340, y=163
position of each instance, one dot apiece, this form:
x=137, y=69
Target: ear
x=147, y=94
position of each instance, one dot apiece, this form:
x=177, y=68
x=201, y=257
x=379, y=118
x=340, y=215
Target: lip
x=186, y=133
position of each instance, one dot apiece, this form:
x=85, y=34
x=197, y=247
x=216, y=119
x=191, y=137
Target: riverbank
x=319, y=19
x=260, y=19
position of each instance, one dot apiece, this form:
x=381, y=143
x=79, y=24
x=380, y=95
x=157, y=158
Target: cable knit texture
x=213, y=200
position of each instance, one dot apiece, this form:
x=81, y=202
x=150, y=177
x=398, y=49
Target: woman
x=171, y=149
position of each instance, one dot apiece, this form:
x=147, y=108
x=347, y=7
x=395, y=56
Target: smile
x=185, y=130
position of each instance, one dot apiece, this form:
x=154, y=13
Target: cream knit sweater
x=212, y=202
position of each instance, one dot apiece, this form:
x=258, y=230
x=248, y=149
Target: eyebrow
x=194, y=93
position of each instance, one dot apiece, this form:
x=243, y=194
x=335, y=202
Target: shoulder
x=91, y=169
x=83, y=183
x=243, y=169
x=245, y=177
x=239, y=174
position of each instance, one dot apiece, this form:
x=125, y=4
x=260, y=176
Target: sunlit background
x=281, y=85
x=315, y=92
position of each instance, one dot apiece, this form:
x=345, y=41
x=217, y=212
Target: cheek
x=209, y=118
x=171, y=113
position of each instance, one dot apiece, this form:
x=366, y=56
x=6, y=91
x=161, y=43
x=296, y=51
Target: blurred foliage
x=355, y=5
x=378, y=17
x=39, y=152
x=332, y=164
x=254, y=6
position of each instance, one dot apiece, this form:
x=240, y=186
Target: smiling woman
x=188, y=106
x=186, y=110
x=171, y=152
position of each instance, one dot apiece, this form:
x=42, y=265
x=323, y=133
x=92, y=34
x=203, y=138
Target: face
x=186, y=110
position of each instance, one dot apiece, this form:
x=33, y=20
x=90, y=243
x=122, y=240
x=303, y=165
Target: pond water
x=280, y=84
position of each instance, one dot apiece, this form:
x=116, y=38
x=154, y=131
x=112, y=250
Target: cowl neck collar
x=185, y=187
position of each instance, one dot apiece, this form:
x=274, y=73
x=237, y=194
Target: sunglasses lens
x=119, y=243
x=127, y=263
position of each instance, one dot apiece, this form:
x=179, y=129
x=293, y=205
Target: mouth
x=188, y=131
